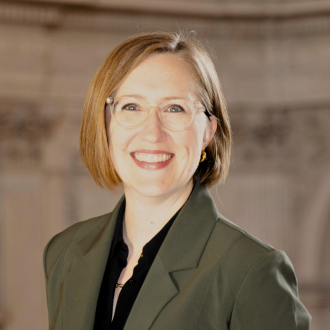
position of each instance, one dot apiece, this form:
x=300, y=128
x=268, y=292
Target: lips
x=152, y=159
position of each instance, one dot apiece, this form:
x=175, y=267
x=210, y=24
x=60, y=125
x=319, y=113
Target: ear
x=210, y=131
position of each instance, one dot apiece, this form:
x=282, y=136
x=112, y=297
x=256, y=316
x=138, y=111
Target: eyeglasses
x=175, y=114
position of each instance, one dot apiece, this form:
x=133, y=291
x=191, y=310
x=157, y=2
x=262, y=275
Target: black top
x=116, y=262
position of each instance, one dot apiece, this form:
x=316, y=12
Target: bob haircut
x=120, y=62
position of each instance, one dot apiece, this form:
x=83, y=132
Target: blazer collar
x=102, y=234
x=185, y=241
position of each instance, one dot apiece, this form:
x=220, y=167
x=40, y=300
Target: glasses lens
x=177, y=114
x=129, y=112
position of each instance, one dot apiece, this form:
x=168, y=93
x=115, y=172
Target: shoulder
x=246, y=254
x=241, y=241
x=59, y=244
x=236, y=252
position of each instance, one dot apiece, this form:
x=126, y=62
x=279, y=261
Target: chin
x=150, y=187
x=153, y=189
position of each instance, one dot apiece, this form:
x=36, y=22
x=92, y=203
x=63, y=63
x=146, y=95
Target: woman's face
x=159, y=76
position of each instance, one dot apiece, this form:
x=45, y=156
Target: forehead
x=161, y=75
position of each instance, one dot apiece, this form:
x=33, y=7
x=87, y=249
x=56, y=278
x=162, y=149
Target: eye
x=175, y=108
x=130, y=107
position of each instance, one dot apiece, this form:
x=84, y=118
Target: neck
x=145, y=216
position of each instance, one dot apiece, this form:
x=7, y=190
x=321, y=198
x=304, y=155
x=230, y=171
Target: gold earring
x=203, y=156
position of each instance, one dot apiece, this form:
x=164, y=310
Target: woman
x=155, y=123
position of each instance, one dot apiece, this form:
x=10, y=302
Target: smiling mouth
x=152, y=158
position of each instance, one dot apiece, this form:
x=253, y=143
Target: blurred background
x=273, y=60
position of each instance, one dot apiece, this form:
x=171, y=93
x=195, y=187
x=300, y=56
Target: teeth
x=152, y=158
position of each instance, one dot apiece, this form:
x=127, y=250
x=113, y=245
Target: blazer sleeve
x=268, y=297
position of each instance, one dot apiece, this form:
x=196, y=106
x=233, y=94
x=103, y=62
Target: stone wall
x=273, y=62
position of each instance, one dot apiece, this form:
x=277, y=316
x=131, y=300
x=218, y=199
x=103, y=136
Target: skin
x=154, y=196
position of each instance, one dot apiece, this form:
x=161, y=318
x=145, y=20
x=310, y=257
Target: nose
x=153, y=129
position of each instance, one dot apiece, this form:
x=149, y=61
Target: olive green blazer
x=208, y=274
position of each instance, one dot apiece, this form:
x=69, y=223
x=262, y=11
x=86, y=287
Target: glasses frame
x=110, y=101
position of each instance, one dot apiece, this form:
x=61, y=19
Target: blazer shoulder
x=233, y=243
x=243, y=238
x=60, y=243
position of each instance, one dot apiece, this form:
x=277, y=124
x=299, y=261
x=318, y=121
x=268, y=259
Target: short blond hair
x=119, y=63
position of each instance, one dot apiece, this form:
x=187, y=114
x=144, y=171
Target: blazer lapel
x=84, y=271
x=181, y=249
x=157, y=289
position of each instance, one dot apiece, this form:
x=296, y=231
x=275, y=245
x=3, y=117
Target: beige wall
x=273, y=62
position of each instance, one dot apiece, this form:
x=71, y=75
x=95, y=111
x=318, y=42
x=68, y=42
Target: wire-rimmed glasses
x=174, y=114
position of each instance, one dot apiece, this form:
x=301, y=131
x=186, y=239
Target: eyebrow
x=167, y=98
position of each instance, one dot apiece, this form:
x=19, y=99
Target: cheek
x=196, y=135
x=119, y=141
x=193, y=144
x=114, y=144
